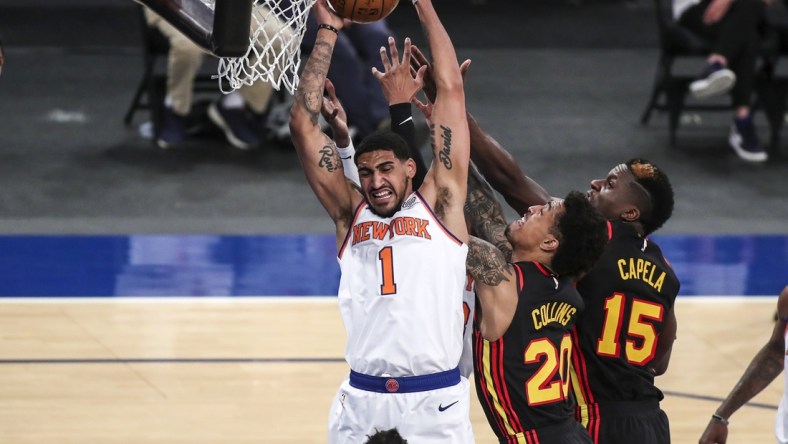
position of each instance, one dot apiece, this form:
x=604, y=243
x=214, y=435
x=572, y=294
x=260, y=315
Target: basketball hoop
x=274, y=52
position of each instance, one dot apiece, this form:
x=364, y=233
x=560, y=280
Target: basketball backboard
x=221, y=27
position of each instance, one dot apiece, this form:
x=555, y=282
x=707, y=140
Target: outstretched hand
x=419, y=61
x=398, y=82
x=335, y=115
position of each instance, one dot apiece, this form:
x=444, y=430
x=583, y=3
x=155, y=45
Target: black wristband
x=400, y=113
x=719, y=418
x=329, y=27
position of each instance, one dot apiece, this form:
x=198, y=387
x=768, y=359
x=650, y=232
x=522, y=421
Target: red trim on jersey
x=520, y=278
x=535, y=438
x=483, y=384
x=609, y=230
x=581, y=369
x=543, y=269
x=503, y=391
x=437, y=220
x=361, y=205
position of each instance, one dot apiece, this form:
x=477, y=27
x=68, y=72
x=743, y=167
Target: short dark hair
x=582, y=235
x=384, y=140
x=659, y=190
x=391, y=436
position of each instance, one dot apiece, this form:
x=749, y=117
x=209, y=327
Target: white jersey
x=468, y=305
x=400, y=294
x=781, y=420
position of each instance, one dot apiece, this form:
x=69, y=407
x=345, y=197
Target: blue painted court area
x=306, y=265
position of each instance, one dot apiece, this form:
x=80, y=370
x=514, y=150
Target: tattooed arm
x=447, y=180
x=503, y=172
x=483, y=213
x=496, y=287
x=492, y=160
x=763, y=369
x=316, y=151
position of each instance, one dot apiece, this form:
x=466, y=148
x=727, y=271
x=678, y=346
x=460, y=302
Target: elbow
x=298, y=120
x=450, y=85
x=659, y=369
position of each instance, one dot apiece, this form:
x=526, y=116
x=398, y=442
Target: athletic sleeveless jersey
x=781, y=420
x=400, y=294
x=468, y=306
x=627, y=293
x=522, y=379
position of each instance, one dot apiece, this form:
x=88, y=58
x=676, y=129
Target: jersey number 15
x=640, y=325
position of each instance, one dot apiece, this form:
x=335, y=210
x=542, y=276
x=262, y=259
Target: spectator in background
x=241, y=115
x=733, y=27
x=357, y=51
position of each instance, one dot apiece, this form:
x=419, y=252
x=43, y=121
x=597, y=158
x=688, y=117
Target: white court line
x=716, y=299
x=171, y=299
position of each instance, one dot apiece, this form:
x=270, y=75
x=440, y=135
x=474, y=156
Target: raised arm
x=316, y=151
x=446, y=182
x=503, y=172
x=400, y=87
x=496, y=287
x=483, y=213
x=492, y=160
x=763, y=369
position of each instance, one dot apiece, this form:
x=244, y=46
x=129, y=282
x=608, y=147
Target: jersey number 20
x=541, y=388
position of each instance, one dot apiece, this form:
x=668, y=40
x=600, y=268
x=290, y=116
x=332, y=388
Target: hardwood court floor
x=264, y=371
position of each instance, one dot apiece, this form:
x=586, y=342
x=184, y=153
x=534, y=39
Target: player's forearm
x=402, y=124
x=445, y=71
x=502, y=171
x=484, y=214
x=486, y=263
x=763, y=369
x=309, y=95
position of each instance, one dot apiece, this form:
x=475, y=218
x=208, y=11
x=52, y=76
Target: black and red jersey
x=627, y=295
x=522, y=379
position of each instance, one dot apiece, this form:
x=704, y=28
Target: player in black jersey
x=637, y=198
x=624, y=337
x=525, y=313
x=614, y=382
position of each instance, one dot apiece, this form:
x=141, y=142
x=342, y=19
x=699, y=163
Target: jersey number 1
x=386, y=256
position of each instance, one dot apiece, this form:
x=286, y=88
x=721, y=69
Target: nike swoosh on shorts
x=442, y=408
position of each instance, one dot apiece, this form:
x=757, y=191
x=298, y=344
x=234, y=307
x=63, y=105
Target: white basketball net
x=274, y=52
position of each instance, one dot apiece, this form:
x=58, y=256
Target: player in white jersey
x=468, y=305
x=762, y=370
x=401, y=251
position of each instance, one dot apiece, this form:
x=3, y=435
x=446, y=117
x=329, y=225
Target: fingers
x=331, y=90
x=393, y=50
x=423, y=107
x=419, y=77
x=406, y=52
x=384, y=59
x=419, y=56
x=378, y=75
x=464, y=67
x=325, y=107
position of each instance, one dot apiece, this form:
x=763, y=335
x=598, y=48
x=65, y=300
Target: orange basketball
x=363, y=11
